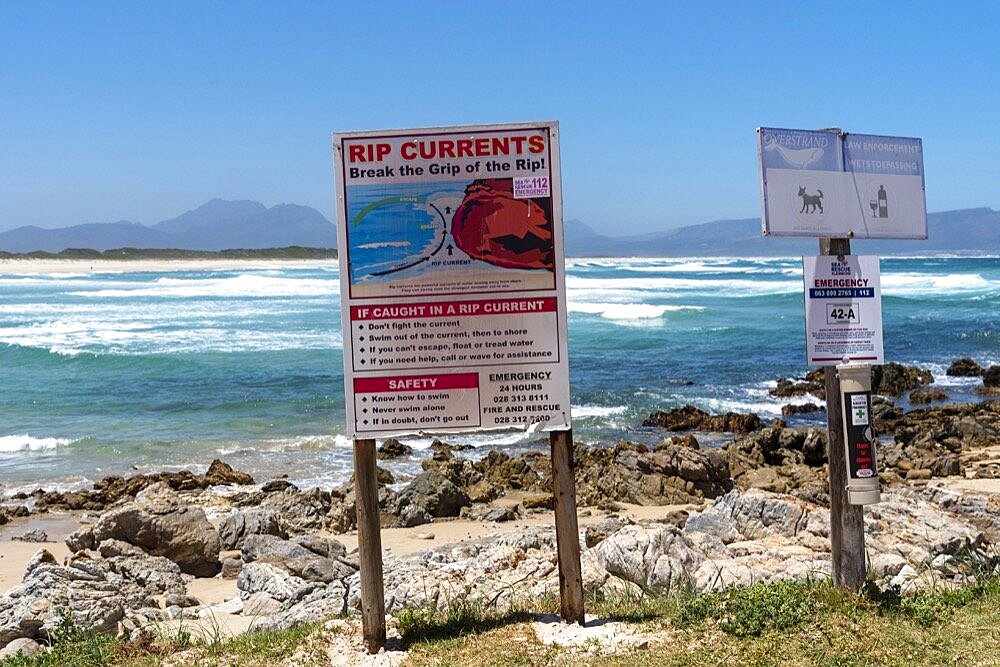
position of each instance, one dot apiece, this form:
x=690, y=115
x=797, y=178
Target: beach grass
x=783, y=623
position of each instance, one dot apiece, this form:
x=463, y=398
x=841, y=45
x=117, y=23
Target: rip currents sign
x=452, y=279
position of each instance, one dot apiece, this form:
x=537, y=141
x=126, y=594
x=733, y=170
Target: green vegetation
x=787, y=623
x=73, y=646
x=290, y=252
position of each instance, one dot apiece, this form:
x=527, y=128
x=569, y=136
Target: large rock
x=221, y=473
x=295, y=558
x=964, y=367
x=301, y=511
x=673, y=473
x=813, y=385
x=253, y=521
x=85, y=593
x=142, y=575
x=991, y=382
x=113, y=488
x=925, y=395
x=21, y=647
x=163, y=525
x=433, y=493
x=277, y=582
x=504, y=471
x=942, y=439
x=690, y=418
x=320, y=604
x=392, y=448
x=894, y=379
x=782, y=460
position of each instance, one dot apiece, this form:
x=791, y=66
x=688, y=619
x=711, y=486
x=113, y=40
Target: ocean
x=132, y=372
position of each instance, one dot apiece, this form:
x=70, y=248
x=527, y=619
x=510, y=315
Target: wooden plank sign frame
x=453, y=304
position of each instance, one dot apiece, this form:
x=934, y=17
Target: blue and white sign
x=841, y=185
x=843, y=299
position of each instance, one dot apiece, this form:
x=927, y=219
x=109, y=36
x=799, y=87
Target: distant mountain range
x=222, y=225
x=971, y=231
x=216, y=225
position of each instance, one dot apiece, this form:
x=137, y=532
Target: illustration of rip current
x=390, y=230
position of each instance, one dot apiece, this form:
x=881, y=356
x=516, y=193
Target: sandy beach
x=25, y=266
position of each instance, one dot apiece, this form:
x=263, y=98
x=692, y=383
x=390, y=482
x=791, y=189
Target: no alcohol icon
x=880, y=204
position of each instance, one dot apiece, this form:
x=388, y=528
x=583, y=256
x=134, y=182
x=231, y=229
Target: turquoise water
x=123, y=372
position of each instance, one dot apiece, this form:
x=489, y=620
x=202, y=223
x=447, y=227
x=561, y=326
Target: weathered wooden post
x=847, y=521
x=567, y=529
x=369, y=546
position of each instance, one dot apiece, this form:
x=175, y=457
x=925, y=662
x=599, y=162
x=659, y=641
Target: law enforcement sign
x=841, y=185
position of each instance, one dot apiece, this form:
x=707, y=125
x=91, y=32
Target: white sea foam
x=922, y=284
x=76, y=336
x=732, y=288
x=582, y=411
x=26, y=443
x=625, y=311
x=307, y=443
x=709, y=267
x=767, y=408
x=244, y=285
x=70, y=339
x=73, y=483
x=941, y=378
x=483, y=440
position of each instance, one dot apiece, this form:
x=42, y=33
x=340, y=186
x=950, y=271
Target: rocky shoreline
x=751, y=510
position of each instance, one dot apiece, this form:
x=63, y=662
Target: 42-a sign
x=843, y=312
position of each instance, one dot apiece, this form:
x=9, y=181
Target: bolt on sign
x=831, y=184
x=452, y=279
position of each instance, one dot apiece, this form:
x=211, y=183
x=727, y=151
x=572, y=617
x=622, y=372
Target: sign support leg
x=369, y=546
x=567, y=530
x=847, y=522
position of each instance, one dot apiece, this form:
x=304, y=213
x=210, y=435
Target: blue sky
x=141, y=111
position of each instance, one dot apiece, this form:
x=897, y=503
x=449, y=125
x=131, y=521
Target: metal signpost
x=838, y=186
x=453, y=306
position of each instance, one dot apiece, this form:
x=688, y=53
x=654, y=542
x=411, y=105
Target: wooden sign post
x=369, y=546
x=847, y=521
x=567, y=530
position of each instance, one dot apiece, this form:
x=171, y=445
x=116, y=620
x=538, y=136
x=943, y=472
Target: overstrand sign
x=841, y=185
x=843, y=300
x=452, y=279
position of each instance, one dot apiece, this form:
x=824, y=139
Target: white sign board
x=843, y=310
x=452, y=279
x=841, y=185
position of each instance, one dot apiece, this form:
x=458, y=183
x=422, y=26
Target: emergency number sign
x=843, y=300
